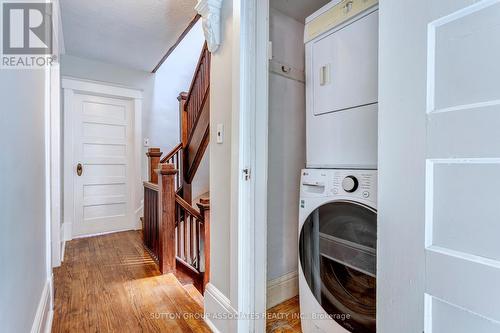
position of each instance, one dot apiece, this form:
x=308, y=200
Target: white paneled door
x=103, y=143
x=439, y=217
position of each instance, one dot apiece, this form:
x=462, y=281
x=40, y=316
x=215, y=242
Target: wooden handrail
x=152, y=186
x=183, y=203
x=198, y=91
x=174, y=230
x=176, y=233
x=198, y=66
x=175, y=157
x=172, y=153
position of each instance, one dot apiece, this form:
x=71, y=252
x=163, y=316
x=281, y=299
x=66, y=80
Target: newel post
x=153, y=155
x=183, y=117
x=204, y=207
x=166, y=214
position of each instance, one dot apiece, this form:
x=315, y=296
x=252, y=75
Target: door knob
x=79, y=169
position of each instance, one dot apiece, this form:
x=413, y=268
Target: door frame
x=70, y=86
x=250, y=104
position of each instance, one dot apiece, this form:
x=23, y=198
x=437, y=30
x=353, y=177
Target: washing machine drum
x=338, y=259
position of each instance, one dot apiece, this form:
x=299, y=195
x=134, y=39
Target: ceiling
x=132, y=33
x=298, y=9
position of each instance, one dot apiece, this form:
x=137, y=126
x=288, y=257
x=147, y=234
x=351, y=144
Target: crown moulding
x=209, y=11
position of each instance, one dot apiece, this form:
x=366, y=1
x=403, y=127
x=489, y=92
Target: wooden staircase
x=176, y=233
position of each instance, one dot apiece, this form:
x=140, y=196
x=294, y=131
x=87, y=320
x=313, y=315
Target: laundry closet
x=322, y=171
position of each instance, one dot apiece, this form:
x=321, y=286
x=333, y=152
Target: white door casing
x=55, y=164
x=102, y=133
x=439, y=167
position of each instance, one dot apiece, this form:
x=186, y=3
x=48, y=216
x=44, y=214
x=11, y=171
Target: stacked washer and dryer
x=338, y=203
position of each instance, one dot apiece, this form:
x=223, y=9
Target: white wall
x=286, y=146
x=219, y=296
x=99, y=71
x=220, y=155
x=201, y=180
x=173, y=77
x=22, y=202
x=160, y=111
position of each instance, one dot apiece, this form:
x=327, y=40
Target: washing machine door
x=338, y=258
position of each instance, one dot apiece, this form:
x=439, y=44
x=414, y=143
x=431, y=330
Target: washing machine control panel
x=348, y=184
x=356, y=183
x=315, y=183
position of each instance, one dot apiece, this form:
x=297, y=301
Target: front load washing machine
x=337, y=250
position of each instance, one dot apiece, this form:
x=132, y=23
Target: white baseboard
x=67, y=228
x=211, y=325
x=282, y=288
x=217, y=309
x=63, y=241
x=43, y=316
x=104, y=233
x=139, y=212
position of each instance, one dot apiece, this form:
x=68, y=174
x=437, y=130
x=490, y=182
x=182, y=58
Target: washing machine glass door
x=338, y=258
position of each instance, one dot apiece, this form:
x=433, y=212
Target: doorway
x=101, y=162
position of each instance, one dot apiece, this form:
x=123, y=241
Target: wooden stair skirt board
x=194, y=109
x=194, y=294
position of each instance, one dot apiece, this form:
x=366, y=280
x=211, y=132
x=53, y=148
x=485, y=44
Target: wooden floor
x=110, y=284
x=284, y=317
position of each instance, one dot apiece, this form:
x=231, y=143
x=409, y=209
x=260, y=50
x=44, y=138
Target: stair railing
x=198, y=91
x=159, y=219
x=193, y=237
x=175, y=158
x=174, y=232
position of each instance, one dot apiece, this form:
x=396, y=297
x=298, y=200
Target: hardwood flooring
x=284, y=317
x=110, y=284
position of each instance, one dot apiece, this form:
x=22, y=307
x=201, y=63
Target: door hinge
x=246, y=174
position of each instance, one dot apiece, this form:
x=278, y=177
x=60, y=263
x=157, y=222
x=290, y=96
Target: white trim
x=70, y=86
x=58, y=28
x=103, y=233
x=139, y=212
x=211, y=325
x=431, y=57
x=210, y=16
x=215, y=300
x=55, y=164
x=45, y=306
x=282, y=289
x=43, y=317
x=63, y=250
x=100, y=88
x=260, y=146
x=250, y=113
x=67, y=228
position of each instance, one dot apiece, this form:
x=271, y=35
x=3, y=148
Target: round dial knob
x=350, y=184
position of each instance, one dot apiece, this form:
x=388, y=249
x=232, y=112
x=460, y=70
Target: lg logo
x=27, y=28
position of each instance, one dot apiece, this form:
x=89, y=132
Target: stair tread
x=194, y=293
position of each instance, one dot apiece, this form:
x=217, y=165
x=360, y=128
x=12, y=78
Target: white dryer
x=342, y=85
x=337, y=250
